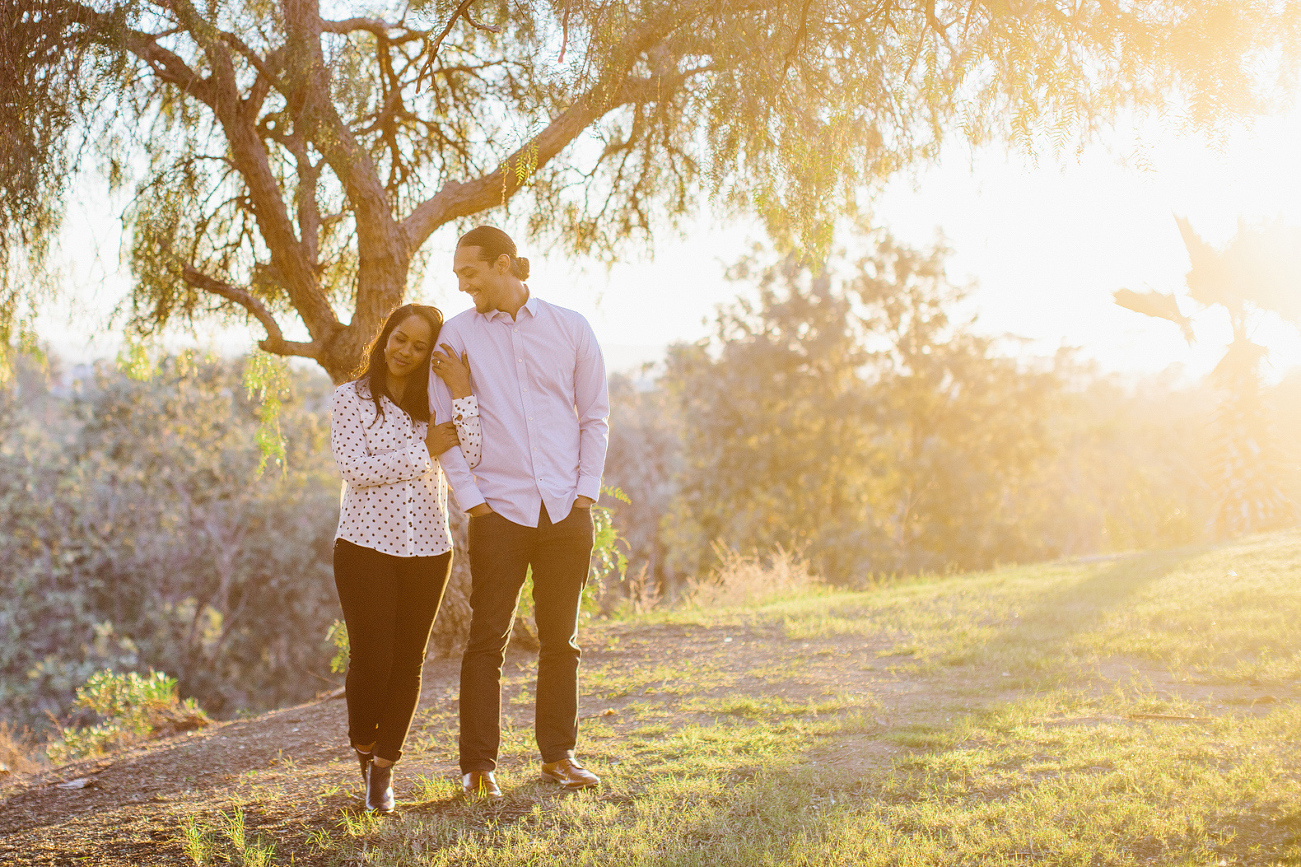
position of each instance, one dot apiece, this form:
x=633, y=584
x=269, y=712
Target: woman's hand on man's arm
x=452, y=370
x=440, y=438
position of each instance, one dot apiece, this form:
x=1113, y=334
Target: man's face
x=485, y=282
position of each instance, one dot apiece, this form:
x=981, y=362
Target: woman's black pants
x=389, y=604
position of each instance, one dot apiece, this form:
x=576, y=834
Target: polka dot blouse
x=394, y=496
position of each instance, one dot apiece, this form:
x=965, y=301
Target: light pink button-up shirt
x=543, y=405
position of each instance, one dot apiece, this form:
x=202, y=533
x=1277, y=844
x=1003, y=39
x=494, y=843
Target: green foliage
x=846, y=416
x=130, y=708
x=134, y=360
x=266, y=378
x=643, y=460
x=609, y=550
x=337, y=636
x=845, y=412
x=360, y=138
x=226, y=841
x=137, y=534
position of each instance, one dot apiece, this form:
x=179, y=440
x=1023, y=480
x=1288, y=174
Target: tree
x=847, y=414
x=288, y=167
x=1258, y=271
x=965, y=428
x=643, y=461
x=776, y=423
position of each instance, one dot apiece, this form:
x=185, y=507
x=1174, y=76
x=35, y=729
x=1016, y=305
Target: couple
x=523, y=444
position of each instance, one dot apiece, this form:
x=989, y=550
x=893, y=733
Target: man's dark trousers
x=501, y=552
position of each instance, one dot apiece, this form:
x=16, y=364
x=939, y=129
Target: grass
x=1139, y=711
x=225, y=842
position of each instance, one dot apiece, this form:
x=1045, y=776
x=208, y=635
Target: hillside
x=1137, y=710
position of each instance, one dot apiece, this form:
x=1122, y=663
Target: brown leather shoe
x=569, y=774
x=481, y=784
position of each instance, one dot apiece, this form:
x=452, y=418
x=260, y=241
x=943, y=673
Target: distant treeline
x=848, y=414
x=848, y=411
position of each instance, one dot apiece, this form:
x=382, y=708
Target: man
x=539, y=378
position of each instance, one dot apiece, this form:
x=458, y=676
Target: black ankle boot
x=364, y=759
x=379, y=789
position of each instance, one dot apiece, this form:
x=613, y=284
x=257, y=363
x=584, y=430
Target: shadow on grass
x=790, y=813
x=1038, y=643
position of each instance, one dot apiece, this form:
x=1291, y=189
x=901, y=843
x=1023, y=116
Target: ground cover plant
x=1141, y=709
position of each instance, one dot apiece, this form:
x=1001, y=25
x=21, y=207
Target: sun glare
x=1047, y=245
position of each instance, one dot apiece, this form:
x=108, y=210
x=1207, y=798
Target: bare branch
x=462, y=11
x=938, y=26
x=275, y=340
x=801, y=33
x=615, y=88
x=377, y=26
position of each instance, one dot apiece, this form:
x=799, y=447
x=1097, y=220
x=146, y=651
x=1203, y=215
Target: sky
x=1044, y=244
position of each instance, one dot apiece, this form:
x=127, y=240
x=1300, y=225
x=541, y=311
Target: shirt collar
x=530, y=305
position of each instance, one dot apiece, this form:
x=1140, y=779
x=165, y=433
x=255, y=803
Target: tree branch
x=166, y=66
x=463, y=9
x=615, y=88
x=275, y=341
x=377, y=26
x=800, y=34
x=938, y=26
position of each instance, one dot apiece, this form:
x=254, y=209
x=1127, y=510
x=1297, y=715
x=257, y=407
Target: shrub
x=132, y=708
x=16, y=751
x=747, y=579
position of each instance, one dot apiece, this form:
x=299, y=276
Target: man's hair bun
x=492, y=243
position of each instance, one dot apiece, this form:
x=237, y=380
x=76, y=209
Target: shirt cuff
x=589, y=487
x=464, y=406
x=471, y=498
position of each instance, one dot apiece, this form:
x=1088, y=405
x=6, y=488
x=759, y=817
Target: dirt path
x=290, y=772
x=129, y=808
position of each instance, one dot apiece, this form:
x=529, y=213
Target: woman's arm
x=455, y=371
x=349, y=415
x=465, y=415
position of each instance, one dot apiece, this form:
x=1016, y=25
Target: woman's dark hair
x=492, y=242
x=373, y=370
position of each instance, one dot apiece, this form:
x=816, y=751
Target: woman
x=392, y=551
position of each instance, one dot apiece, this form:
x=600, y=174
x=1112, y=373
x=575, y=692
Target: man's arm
x=592, y=402
x=453, y=460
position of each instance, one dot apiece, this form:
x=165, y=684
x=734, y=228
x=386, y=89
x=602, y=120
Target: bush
x=137, y=533
x=16, y=751
x=747, y=579
x=131, y=708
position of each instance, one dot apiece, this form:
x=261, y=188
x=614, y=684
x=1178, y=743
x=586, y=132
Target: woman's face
x=408, y=346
